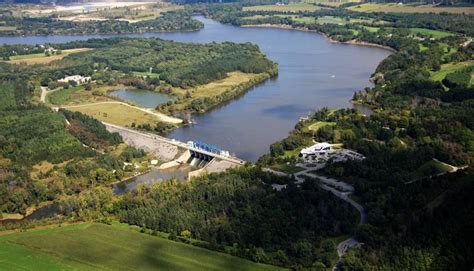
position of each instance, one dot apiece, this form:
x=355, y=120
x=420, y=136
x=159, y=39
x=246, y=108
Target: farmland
x=42, y=58
x=396, y=8
x=115, y=247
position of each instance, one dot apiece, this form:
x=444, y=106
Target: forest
x=238, y=213
x=419, y=215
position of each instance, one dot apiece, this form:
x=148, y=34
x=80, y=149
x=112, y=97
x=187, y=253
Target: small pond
x=141, y=98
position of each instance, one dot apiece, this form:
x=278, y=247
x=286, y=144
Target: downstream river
x=314, y=73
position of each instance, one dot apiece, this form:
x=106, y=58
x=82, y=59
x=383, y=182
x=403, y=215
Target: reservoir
x=141, y=98
x=313, y=73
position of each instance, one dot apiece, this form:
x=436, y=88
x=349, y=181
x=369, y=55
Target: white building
x=76, y=78
x=317, y=151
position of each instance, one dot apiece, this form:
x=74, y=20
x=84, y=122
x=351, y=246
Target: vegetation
x=118, y=113
x=63, y=248
x=167, y=22
x=42, y=58
x=237, y=213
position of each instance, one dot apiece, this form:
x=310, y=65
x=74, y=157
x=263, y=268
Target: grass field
x=315, y=126
x=295, y=7
x=449, y=68
x=7, y=28
x=430, y=33
x=115, y=247
x=396, y=8
x=42, y=58
x=212, y=89
x=117, y=113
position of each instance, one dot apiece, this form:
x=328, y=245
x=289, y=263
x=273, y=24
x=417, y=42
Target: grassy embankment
x=42, y=58
x=396, y=8
x=115, y=247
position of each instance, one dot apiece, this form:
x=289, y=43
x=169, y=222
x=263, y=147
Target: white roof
x=318, y=147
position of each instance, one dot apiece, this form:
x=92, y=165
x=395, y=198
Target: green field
x=449, y=68
x=315, y=126
x=402, y=8
x=115, y=247
x=430, y=33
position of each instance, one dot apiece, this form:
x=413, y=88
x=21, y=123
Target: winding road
x=340, y=189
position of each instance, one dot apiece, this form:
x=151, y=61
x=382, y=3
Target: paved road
x=340, y=189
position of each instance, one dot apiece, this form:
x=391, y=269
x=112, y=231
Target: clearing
x=449, y=68
x=114, y=247
x=42, y=58
x=430, y=33
x=401, y=8
x=212, y=89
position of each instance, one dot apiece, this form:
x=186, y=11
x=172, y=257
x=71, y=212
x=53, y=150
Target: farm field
x=395, y=8
x=114, y=247
x=449, y=68
x=297, y=7
x=42, y=58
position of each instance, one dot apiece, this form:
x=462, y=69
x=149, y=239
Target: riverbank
x=305, y=29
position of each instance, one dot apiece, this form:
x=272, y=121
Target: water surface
x=314, y=73
x=141, y=98
x=154, y=176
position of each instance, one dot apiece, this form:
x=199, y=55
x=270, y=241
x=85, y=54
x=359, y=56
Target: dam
x=207, y=158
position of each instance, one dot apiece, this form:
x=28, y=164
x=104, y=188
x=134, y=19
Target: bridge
x=207, y=157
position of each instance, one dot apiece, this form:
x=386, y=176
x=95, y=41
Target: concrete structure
x=317, y=151
x=206, y=157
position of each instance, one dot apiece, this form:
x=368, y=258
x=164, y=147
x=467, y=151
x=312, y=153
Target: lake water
x=314, y=73
x=141, y=98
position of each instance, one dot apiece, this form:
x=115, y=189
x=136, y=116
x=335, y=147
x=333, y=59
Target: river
x=314, y=73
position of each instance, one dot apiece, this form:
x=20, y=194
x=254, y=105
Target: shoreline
x=328, y=38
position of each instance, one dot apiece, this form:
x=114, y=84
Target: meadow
x=117, y=113
x=42, y=58
x=103, y=247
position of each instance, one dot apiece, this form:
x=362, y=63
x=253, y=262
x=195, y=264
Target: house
x=79, y=79
x=317, y=151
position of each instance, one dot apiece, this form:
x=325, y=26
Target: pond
x=141, y=98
